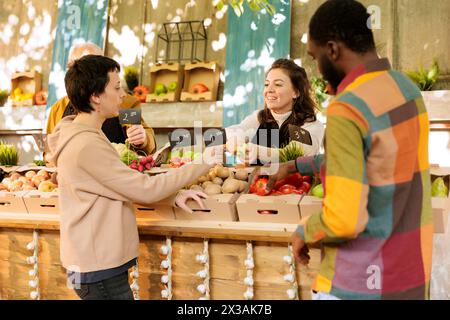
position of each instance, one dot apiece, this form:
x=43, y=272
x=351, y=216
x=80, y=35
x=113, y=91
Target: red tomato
x=300, y=191
x=306, y=186
x=307, y=178
x=279, y=184
x=275, y=193
x=260, y=186
x=287, y=189
x=294, y=179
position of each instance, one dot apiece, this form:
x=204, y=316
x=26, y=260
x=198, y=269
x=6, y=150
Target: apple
x=172, y=86
x=3, y=187
x=43, y=174
x=14, y=176
x=36, y=180
x=30, y=174
x=46, y=186
x=28, y=187
x=199, y=88
x=160, y=89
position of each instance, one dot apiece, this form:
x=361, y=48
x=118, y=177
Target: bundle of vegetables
x=291, y=151
x=125, y=153
x=8, y=155
x=292, y=184
x=438, y=188
x=221, y=180
x=143, y=163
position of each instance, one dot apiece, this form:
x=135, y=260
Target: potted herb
x=9, y=155
x=131, y=78
x=436, y=101
x=4, y=94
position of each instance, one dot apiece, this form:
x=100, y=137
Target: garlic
x=165, y=264
x=287, y=259
x=289, y=277
x=291, y=293
x=165, y=293
x=165, y=278
x=34, y=295
x=202, y=274
x=248, y=281
x=249, y=263
x=164, y=250
x=201, y=288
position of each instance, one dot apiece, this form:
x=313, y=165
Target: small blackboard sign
x=130, y=116
x=299, y=134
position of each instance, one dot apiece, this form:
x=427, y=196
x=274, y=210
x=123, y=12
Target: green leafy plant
x=319, y=86
x=39, y=162
x=131, y=77
x=4, y=94
x=424, y=79
x=291, y=152
x=254, y=5
x=9, y=156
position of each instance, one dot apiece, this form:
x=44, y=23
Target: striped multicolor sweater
x=376, y=224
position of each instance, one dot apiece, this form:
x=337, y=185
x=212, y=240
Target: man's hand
x=136, y=135
x=299, y=249
x=185, y=195
x=284, y=170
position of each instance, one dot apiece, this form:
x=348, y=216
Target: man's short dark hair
x=345, y=21
x=87, y=76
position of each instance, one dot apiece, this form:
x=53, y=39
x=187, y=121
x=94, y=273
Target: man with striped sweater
x=375, y=227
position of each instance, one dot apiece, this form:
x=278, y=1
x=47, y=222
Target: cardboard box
x=165, y=74
x=207, y=73
x=42, y=202
x=29, y=82
x=283, y=209
x=220, y=207
x=13, y=202
x=310, y=205
x=440, y=206
x=156, y=211
x=9, y=169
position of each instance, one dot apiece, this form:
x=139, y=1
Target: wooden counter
x=227, y=243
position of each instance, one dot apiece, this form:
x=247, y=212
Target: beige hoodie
x=96, y=191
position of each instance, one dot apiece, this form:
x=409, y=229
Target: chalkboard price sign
x=130, y=116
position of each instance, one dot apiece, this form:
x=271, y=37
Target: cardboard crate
x=165, y=74
x=440, y=206
x=156, y=211
x=285, y=208
x=38, y=202
x=29, y=82
x=13, y=202
x=219, y=207
x=310, y=205
x=9, y=169
x=207, y=73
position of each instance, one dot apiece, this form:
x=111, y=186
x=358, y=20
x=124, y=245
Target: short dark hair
x=87, y=76
x=345, y=21
x=304, y=107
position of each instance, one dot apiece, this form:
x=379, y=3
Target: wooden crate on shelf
x=198, y=77
x=166, y=75
x=155, y=211
x=219, y=207
x=42, y=202
x=28, y=82
x=13, y=201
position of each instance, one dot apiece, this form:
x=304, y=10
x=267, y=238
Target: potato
x=242, y=185
x=241, y=175
x=30, y=174
x=212, y=189
x=203, y=179
x=230, y=186
x=196, y=187
x=223, y=173
x=212, y=174
x=205, y=184
x=217, y=181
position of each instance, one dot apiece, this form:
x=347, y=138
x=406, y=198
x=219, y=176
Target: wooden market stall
x=228, y=246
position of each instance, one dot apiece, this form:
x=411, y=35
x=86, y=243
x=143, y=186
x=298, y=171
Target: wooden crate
x=219, y=207
x=207, y=73
x=38, y=202
x=165, y=74
x=13, y=202
x=29, y=82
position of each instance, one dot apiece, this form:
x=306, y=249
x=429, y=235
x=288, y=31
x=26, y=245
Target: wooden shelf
x=272, y=232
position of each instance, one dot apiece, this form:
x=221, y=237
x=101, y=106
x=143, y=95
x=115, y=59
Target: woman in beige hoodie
x=99, y=236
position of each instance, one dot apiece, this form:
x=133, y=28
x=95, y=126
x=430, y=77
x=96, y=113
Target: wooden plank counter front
x=227, y=246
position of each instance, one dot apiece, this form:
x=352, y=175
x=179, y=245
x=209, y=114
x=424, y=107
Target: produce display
x=141, y=92
x=180, y=157
x=291, y=151
x=143, y=163
x=199, y=88
x=30, y=180
x=292, y=184
x=125, y=153
x=19, y=95
x=221, y=180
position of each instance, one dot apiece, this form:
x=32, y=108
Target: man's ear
x=333, y=50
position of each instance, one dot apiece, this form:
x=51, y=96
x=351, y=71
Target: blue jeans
x=115, y=288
